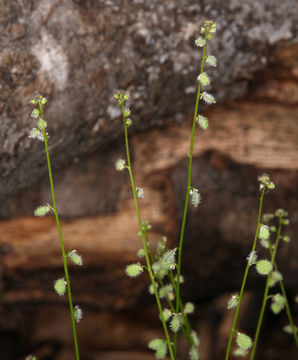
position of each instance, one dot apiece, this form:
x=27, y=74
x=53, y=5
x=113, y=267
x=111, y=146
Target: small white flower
x=252, y=258
x=204, y=79
x=200, y=42
x=120, y=164
x=211, y=60
x=202, y=121
x=140, y=192
x=35, y=113
x=208, y=98
x=233, y=301
x=78, y=313
x=196, y=197
x=36, y=134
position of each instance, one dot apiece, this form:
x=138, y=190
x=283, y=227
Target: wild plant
x=163, y=269
x=61, y=285
x=266, y=268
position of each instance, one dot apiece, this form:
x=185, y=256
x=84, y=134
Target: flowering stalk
x=121, y=99
x=244, y=279
x=208, y=29
x=40, y=133
x=265, y=297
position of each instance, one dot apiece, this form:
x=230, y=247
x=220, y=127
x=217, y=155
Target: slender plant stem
x=194, y=123
x=288, y=310
x=265, y=297
x=144, y=242
x=244, y=279
x=64, y=256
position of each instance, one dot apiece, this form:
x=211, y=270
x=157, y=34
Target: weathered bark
x=77, y=53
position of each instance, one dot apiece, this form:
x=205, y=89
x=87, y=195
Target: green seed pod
x=134, y=270
x=276, y=308
x=78, y=313
x=202, y=121
x=175, y=323
x=42, y=210
x=233, y=301
x=167, y=313
x=240, y=352
x=204, y=79
x=243, y=341
x=195, y=339
x=264, y=232
x=193, y=353
x=75, y=257
x=155, y=344
x=189, y=308
x=264, y=267
x=41, y=124
x=60, y=286
x=161, y=352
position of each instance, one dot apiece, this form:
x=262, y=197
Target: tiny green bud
x=43, y=100
x=202, y=121
x=194, y=338
x=165, y=290
x=274, y=277
x=288, y=329
x=286, y=238
x=264, y=232
x=167, y=313
x=196, y=197
x=276, y=308
x=128, y=122
x=140, y=192
x=35, y=113
x=252, y=258
x=208, y=98
x=155, y=344
x=264, y=267
x=243, y=341
x=151, y=288
x=36, y=134
x=240, y=352
x=189, y=308
x=233, y=301
x=141, y=253
x=193, y=353
x=41, y=124
x=211, y=60
x=134, y=270
x=175, y=323
x=200, y=42
x=42, y=210
x=204, y=79
x=60, y=286
x=161, y=352
x=127, y=112
x=78, y=313
x=286, y=222
x=120, y=164
x=75, y=257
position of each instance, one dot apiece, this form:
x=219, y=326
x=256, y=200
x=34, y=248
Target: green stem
x=194, y=123
x=64, y=256
x=144, y=242
x=265, y=297
x=244, y=279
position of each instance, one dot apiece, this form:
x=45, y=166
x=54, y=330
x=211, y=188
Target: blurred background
x=77, y=54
